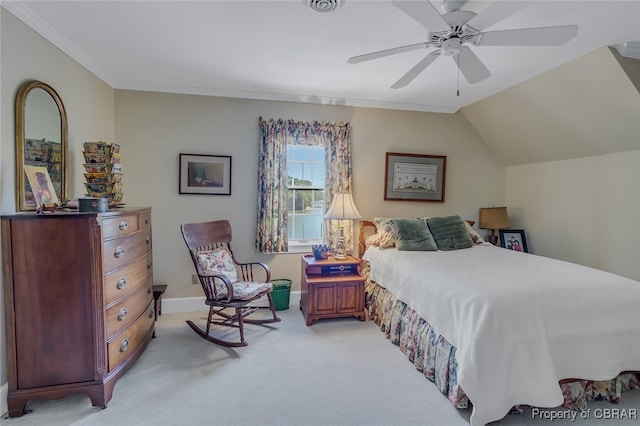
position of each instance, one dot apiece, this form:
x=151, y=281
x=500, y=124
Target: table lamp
x=342, y=208
x=493, y=218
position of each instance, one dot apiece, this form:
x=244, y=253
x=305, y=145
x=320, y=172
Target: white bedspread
x=520, y=322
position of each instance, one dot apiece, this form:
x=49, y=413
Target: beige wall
x=88, y=101
x=154, y=128
x=582, y=210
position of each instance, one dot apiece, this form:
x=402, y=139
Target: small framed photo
x=414, y=177
x=513, y=239
x=205, y=174
x=44, y=193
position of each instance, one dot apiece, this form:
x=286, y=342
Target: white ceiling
x=282, y=50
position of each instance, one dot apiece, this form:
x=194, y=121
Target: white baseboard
x=4, y=393
x=193, y=304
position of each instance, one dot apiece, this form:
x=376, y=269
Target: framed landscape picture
x=414, y=177
x=205, y=174
x=513, y=239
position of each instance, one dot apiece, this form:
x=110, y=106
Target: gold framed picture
x=414, y=177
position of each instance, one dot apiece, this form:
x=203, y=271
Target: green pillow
x=412, y=235
x=449, y=233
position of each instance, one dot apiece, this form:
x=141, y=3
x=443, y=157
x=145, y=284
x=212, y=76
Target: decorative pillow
x=383, y=227
x=218, y=262
x=412, y=235
x=449, y=232
x=475, y=237
x=372, y=240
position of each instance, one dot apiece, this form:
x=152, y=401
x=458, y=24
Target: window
x=305, y=183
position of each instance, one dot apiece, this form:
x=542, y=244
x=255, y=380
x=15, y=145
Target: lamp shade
x=342, y=207
x=494, y=218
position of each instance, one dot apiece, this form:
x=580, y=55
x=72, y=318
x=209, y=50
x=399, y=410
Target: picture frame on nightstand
x=513, y=239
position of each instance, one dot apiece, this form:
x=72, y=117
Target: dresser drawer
x=122, y=251
x=122, y=282
x=125, y=344
x=122, y=314
x=144, y=220
x=119, y=226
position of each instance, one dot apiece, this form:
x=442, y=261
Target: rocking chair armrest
x=247, y=270
x=210, y=281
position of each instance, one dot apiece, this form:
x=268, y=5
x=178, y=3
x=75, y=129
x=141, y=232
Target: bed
x=496, y=329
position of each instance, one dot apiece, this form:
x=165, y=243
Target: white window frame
x=297, y=246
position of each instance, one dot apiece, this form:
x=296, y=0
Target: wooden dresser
x=78, y=301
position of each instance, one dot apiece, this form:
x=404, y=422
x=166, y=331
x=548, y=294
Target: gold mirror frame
x=58, y=165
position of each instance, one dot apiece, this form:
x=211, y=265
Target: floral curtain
x=271, y=236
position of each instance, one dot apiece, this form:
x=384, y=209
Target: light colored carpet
x=336, y=372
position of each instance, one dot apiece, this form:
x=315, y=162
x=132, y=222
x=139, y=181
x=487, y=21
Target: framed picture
x=44, y=193
x=513, y=239
x=414, y=177
x=205, y=174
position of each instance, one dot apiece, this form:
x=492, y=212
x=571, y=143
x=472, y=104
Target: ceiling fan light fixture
x=324, y=6
x=451, y=47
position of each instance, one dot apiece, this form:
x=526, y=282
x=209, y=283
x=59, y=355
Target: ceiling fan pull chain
x=458, y=82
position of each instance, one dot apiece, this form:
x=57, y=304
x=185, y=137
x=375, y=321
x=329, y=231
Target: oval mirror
x=41, y=140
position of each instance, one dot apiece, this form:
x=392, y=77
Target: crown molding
x=22, y=11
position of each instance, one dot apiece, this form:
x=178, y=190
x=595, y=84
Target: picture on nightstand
x=513, y=239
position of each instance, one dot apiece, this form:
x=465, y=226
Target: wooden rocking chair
x=209, y=244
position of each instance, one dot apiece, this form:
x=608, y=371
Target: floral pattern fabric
x=218, y=262
x=275, y=135
x=435, y=358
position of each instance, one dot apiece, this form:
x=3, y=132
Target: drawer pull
x=124, y=345
x=123, y=226
x=122, y=283
x=119, y=252
x=122, y=314
x=146, y=221
x=149, y=265
x=148, y=240
x=151, y=313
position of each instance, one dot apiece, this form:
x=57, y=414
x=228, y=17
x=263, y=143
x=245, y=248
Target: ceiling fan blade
x=542, y=36
x=423, y=12
x=497, y=12
x=416, y=70
x=471, y=66
x=386, y=52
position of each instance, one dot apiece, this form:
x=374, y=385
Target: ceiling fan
x=452, y=33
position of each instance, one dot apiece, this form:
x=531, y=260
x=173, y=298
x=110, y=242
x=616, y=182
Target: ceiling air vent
x=324, y=6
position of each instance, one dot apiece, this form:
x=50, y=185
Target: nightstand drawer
x=332, y=269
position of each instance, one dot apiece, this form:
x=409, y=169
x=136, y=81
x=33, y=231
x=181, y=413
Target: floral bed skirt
x=434, y=357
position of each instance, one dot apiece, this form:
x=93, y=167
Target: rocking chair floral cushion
x=243, y=290
x=218, y=261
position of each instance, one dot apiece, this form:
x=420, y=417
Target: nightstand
x=331, y=288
